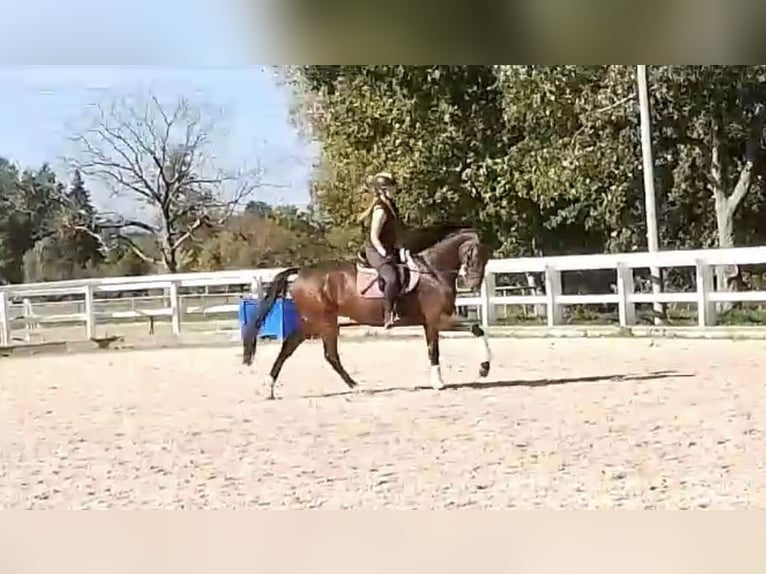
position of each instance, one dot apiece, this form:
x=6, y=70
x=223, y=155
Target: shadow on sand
x=619, y=378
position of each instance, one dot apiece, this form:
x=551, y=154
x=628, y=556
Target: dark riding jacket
x=388, y=233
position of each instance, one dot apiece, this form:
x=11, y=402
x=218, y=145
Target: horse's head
x=450, y=247
x=473, y=257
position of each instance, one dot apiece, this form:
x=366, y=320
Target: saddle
x=369, y=284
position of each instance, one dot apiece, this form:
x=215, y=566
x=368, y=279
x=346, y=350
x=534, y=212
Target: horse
x=428, y=287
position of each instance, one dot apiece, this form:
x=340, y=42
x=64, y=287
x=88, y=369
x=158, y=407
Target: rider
x=380, y=245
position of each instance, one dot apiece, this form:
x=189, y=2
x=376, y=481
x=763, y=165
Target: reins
x=418, y=258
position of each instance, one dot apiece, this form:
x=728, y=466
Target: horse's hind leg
x=289, y=345
x=330, y=340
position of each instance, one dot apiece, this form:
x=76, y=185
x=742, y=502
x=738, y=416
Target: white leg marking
x=486, y=354
x=436, y=377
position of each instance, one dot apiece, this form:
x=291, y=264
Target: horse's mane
x=417, y=240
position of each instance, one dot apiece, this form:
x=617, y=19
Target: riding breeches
x=387, y=270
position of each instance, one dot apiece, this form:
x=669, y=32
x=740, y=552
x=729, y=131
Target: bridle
x=437, y=273
x=430, y=269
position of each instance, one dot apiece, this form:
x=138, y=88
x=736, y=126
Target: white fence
x=704, y=297
x=89, y=289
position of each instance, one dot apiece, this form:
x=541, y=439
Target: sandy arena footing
x=565, y=423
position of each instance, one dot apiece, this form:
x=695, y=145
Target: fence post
x=488, y=309
x=175, y=308
x=256, y=287
x=537, y=309
x=706, y=311
x=5, y=320
x=30, y=320
x=552, y=291
x=90, y=313
x=625, y=288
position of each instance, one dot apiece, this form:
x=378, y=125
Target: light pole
x=649, y=196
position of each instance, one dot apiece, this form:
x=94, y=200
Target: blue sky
x=58, y=58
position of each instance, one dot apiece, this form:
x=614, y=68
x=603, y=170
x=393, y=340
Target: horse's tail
x=277, y=289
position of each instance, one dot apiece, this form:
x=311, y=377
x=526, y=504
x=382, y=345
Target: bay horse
x=323, y=292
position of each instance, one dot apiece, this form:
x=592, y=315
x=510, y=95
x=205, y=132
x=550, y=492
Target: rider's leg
x=388, y=274
x=390, y=293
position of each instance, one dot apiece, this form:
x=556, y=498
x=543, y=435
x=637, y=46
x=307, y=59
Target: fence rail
x=95, y=299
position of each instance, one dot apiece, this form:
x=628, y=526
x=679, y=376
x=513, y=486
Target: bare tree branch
x=118, y=223
x=189, y=232
x=161, y=156
x=105, y=248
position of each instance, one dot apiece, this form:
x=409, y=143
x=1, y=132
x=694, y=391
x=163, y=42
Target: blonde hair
x=362, y=217
x=366, y=187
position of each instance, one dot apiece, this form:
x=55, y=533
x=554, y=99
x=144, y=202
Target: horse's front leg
x=451, y=323
x=432, y=339
x=486, y=354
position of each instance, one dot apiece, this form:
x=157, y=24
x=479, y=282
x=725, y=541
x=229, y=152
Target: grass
x=607, y=315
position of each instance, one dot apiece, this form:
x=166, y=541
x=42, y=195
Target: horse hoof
x=484, y=370
x=437, y=383
x=269, y=385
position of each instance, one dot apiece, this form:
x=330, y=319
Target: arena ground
x=575, y=423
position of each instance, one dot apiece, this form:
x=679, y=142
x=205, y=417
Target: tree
x=67, y=249
x=710, y=121
x=9, y=192
x=573, y=159
x=123, y=262
x=544, y=160
x=159, y=159
x=438, y=128
x=281, y=237
x=84, y=249
x=259, y=208
x=31, y=209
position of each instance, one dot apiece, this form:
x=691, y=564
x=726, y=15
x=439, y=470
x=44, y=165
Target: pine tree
x=83, y=249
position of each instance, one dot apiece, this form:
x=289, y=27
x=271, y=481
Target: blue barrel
x=281, y=321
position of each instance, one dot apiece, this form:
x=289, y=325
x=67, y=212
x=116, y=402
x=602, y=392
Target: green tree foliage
x=545, y=159
x=9, y=198
x=572, y=159
x=711, y=124
x=32, y=205
x=122, y=261
x=69, y=248
x=48, y=233
x=83, y=247
x=431, y=125
x=265, y=236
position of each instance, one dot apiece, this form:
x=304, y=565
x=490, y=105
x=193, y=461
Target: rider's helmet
x=383, y=182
